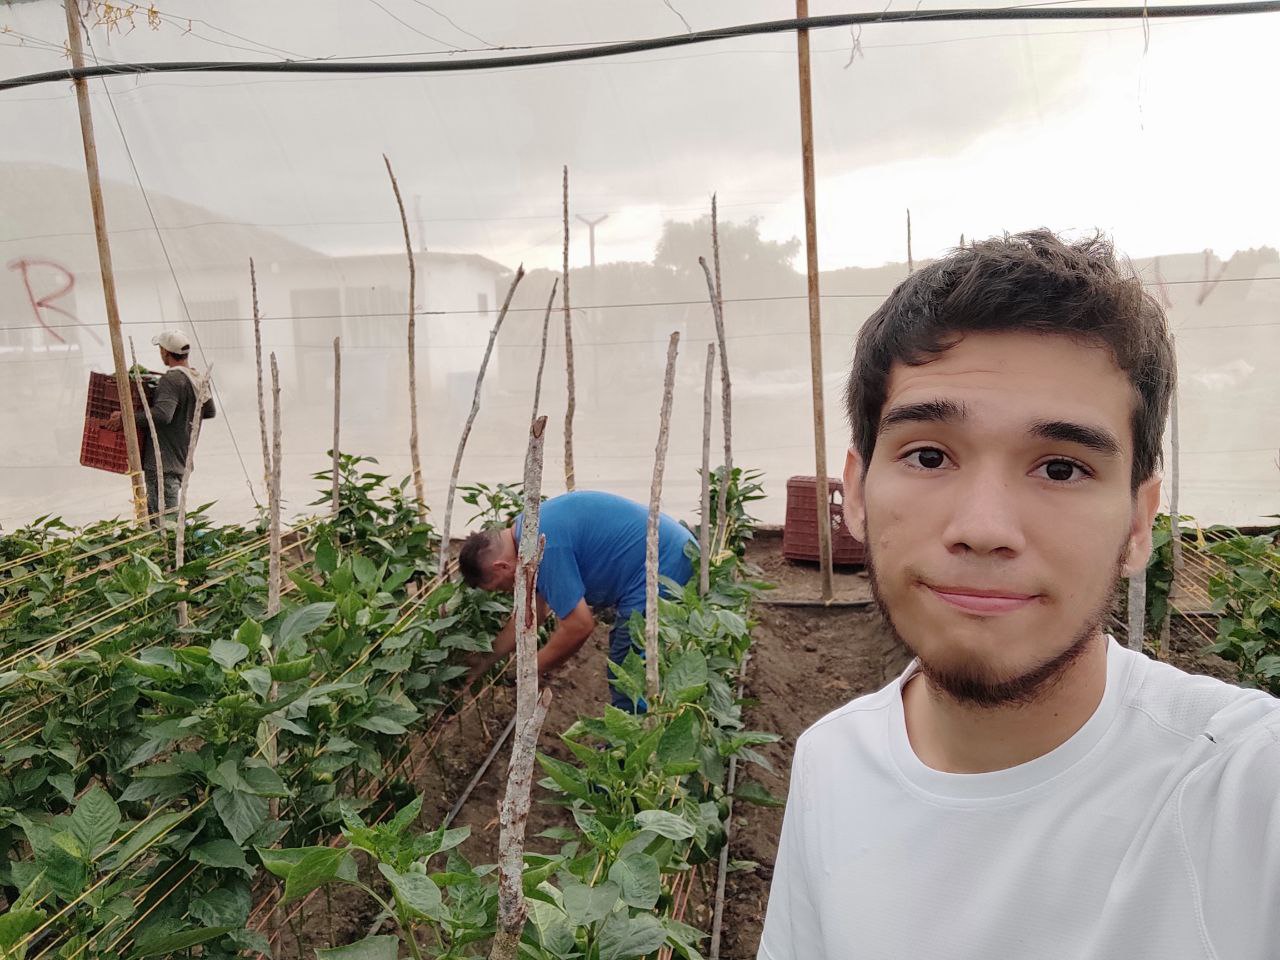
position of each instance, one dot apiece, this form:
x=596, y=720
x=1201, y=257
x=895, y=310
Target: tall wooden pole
x=570, y=480
x=815, y=316
x=104, y=263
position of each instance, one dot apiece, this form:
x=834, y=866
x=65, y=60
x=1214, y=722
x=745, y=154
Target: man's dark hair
x=1027, y=283
x=475, y=556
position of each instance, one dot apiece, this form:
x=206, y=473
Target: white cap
x=173, y=341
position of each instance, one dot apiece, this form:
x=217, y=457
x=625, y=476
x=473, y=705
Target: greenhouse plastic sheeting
x=1156, y=134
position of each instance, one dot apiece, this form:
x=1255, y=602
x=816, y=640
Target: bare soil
x=807, y=659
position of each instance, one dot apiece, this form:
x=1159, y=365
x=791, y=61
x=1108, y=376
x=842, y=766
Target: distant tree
x=746, y=258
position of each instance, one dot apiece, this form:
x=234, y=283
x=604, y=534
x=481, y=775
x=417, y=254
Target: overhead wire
x=977, y=14
x=638, y=304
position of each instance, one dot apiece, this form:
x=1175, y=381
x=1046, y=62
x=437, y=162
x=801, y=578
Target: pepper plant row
x=149, y=761
x=646, y=794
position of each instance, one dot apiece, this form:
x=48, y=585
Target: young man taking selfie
x=1027, y=788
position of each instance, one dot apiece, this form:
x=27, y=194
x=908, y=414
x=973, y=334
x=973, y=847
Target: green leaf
x=227, y=653
x=556, y=933
x=221, y=853
x=364, y=569
x=281, y=861
x=585, y=905
x=291, y=670
x=686, y=678
x=176, y=942
x=622, y=725
x=753, y=792
x=250, y=634
x=302, y=621
x=313, y=871
x=326, y=557
x=152, y=671
x=225, y=906
x=407, y=815
x=381, y=947
x=65, y=784
x=627, y=938
x=16, y=924
x=142, y=837
x=680, y=740
x=416, y=891
x=259, y=680
x=566, y=776
x=95, y=820
x=251, y=941
x=242, y=813
x=665, y=824
x=639, y=878
x=381, y=725
x=262, y=780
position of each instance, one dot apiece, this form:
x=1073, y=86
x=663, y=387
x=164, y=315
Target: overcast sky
x=978, y=128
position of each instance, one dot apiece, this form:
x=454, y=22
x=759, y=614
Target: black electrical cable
x=986, y=14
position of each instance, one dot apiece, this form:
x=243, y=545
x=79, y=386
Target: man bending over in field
x=594, y=557
x=1028, y=787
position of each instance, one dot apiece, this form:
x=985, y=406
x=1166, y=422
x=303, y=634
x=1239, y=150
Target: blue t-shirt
x=595, y=550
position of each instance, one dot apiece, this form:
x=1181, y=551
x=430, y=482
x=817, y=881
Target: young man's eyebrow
x=928, y=411
x=1063, y=431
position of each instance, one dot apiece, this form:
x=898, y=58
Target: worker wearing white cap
x=174, y=411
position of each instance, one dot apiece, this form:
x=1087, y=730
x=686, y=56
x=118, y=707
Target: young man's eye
x=926, y=458
x=1063, y=471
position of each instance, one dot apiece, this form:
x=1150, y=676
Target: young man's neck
x=954, y=737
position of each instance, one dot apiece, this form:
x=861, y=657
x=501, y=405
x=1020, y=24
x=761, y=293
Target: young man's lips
x=981, y=601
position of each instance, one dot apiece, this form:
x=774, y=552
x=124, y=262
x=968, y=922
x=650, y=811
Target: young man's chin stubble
x=973, y=684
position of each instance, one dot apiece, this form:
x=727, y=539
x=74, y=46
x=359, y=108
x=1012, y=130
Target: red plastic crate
x=101, y=448
x=800, y=533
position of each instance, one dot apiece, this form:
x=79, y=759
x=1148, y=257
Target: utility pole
x=104, y=263
x=591, y=233
x=422, y=230
x=815, y=317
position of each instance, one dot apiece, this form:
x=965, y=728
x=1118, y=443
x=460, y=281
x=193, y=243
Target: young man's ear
x=1146, y=502
x=855, y=510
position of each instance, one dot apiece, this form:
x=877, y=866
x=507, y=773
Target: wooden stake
x=569, y=479
x=203, y=390
x=815, y=316
x=651, y=541
x=726, y=398
x=1137, y=609
x=722, y=502
x=273, y=564
x=262, y=403
x=911, y=265
x=471, y=418
x=704, y=530
x=542, y=356
x=337, y=416
x=531, y=711
x=155, y=450
x=132, y=450
x=418, y=488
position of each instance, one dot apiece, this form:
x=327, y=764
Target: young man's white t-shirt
x=1154, y=832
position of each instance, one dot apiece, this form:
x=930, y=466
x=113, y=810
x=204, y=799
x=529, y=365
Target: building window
x=482, y=304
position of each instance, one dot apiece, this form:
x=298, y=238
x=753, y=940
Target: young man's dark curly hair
x=1029, y=282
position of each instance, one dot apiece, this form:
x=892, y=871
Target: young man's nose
x=983, y=515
